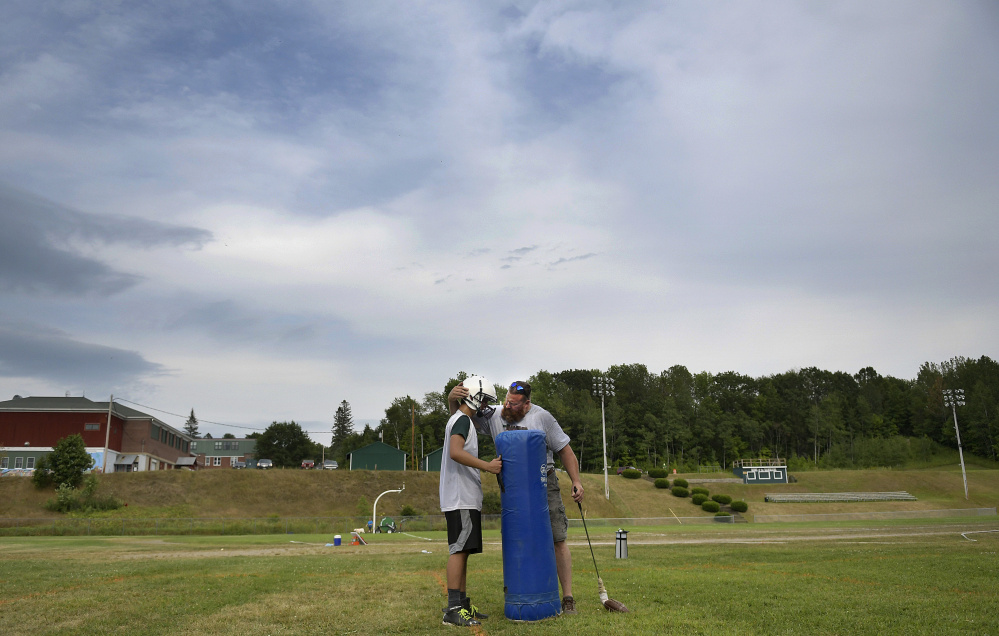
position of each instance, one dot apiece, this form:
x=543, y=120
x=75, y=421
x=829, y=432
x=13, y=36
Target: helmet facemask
x=484, y=409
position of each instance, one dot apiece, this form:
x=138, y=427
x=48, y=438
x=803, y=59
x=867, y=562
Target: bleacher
x=827, y=497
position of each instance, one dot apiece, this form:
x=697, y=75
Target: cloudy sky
x=259, y=209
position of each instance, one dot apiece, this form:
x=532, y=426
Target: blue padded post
x=529, y=574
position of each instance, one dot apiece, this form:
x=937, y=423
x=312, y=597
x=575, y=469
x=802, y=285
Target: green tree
x=286, y=444
x=65, y=464
x=343, y=428
x=191, y=425
x=396, y=426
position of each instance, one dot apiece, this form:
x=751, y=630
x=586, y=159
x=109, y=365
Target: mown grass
x=870, y=578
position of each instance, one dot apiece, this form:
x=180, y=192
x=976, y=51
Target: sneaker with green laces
x=473, y=610
x=459, y=616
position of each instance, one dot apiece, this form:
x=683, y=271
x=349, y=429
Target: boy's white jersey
x=461, y=486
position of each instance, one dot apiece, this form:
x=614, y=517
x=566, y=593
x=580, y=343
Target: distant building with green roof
x=224, y=453
x=377, y=456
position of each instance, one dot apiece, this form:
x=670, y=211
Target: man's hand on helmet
x=457, y=394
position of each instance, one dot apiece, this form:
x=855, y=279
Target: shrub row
x=631, y=473
x=699, y=496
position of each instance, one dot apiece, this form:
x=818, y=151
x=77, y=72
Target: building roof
x=186, y=461
x=75, y=404
x=377, y=447
x=79, y=405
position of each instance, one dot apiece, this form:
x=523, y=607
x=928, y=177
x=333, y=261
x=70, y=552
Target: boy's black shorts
x=464, y=531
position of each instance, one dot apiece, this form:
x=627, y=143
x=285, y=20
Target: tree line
x=680, y=419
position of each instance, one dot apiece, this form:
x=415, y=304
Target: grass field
x=919, y=577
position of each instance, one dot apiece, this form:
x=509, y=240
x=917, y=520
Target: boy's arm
x=457, y=452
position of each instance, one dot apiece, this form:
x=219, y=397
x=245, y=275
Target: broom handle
x=588, y=539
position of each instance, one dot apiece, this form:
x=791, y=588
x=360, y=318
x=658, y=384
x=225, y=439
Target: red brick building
x=31, y=426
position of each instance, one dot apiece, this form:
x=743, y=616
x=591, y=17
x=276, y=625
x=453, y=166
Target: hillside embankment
x=317, y=493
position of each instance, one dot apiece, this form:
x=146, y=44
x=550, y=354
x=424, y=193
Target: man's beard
x=512, y=416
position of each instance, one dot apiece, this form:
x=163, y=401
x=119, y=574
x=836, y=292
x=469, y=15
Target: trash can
x=336, y=539
x=621, y=544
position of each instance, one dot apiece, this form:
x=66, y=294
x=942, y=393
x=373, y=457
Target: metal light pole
x=374, y=508
x=604, y=387
x=954, y=399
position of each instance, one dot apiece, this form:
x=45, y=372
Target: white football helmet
x=480, y=394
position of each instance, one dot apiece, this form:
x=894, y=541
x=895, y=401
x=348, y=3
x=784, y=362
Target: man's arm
x=457, y=452
x=571, y=465
x=454, y=398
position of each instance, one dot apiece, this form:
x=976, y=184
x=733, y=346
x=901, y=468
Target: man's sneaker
x=568, y=605
x=473, y=610
x=459, y=616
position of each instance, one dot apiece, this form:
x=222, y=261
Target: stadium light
x=954, y=399
x=604, y=387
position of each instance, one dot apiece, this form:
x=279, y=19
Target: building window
x=194, y=446
x=154, y=432
x=18, y=462
x=92, y=427
x=31, y=463
x=216, y=461
x=3, y=463
x=218, y=445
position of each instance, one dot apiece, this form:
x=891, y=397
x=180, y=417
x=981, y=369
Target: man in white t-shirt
x=519, y=412
x=461, y=496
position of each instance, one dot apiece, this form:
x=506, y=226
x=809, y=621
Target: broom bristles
x=615, y=606
x=609, y=603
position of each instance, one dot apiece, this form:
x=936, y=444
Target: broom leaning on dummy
x=609, y=603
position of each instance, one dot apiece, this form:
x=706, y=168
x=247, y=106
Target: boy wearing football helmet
x=461, y=496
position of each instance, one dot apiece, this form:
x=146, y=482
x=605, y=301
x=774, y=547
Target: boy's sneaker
x=473, y=610
x=459, y=616
x=568, y=605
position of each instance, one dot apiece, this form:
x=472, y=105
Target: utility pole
x=107, y=436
